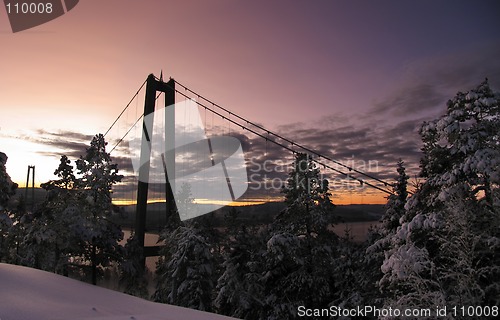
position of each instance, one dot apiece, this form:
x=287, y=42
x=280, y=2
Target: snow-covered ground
x=27, y=294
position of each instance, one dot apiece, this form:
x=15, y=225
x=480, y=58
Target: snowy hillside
x=27, y=293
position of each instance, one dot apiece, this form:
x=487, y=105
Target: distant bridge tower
x=30, y=169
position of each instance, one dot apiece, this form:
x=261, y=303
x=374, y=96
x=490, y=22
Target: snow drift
x=27, y=293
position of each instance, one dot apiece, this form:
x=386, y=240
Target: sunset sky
x=352, y=79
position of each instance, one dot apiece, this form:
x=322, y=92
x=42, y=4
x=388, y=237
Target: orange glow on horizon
x=360, y=199
x=338, y=200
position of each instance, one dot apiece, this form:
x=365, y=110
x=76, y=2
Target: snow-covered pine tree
x=354, y=276
x=396, y=202
x=286, y=285
x=380, y=240
x=301, y=250
x=132, y=275
x=49, y=240
x=447, y=249
x=7, y=189
x=239, y=289
x=307, y=198
x=185, y=270
x=5, y=225
x=100, y=237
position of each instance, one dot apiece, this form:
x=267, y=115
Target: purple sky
x=353, y=79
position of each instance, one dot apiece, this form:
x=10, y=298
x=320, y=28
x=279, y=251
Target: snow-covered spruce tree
x=396, y=202
x=239, y=289
x=100, y=237
x=7, y=189
x=447, y=249
x=391, y=220
x=352, y=287
x=49, y=240
x=301, y=251
x=214, y=237
x=20, y=219
x=382, y=237
x=286, y=283
x=185, y=270
x=5, y=225
x=132, y=275
x=307, y=198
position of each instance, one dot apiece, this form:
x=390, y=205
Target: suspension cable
x=308, y=150
x=290, y=148
x=292, y=143
x=126, y=107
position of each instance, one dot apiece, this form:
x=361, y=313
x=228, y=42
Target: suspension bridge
x=137, y=124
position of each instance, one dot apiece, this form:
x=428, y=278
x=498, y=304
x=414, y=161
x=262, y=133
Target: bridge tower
x=32, y=170
x=152, y=87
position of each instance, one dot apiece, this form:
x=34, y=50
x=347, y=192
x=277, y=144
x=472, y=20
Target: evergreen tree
x=396, y=202
x=354, y=282
x=7, y=189
x=100, y=237
x=446, y=250
x=133, y=276
x=185, y=270
x=72, y=224
x=239, y=288
x=381, y=239
x=301, y=251
x=50, y=240
x=5, y=226
x=307, y=198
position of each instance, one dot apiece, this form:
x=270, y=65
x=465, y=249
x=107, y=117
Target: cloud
x=464, y=71
x=428, y=84
x=124, y=164
x=412, y=99
x=71, y=144
x=75, y=144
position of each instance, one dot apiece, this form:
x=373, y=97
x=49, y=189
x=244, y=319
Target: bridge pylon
x=152, y=87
